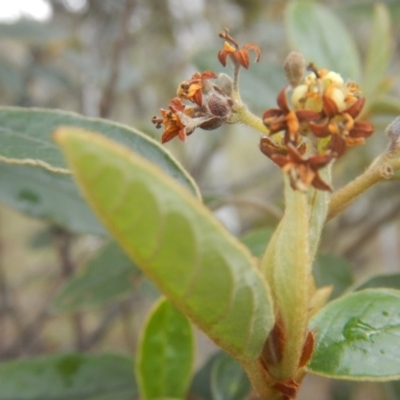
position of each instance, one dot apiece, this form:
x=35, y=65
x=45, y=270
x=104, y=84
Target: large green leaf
x=228, y=380
x=323, y=39
x=166, y=353
x=358, y=337
x=68, y=377
x=48, y=195
x=200, y=266
x=379, y=51
x=107, y=276
x=25, y=137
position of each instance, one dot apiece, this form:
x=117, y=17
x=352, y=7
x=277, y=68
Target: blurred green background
x=123, y=60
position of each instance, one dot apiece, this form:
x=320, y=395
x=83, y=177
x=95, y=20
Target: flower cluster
x=318, y=126
x=314, y=121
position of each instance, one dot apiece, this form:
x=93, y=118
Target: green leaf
x=379, y=51
x=331, y=269
x=316, y=32
x=166, y=353
x=68, y=377
x=358, y=337
x=108, y=276
x=257, y=240
x=177, y=242
x=44, y=194
x=388, y=281
x=228, y=379
x=25, y=138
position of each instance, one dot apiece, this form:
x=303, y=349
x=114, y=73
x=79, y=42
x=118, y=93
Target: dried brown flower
x=302, y=170
x=192, y=89
x=232, y=49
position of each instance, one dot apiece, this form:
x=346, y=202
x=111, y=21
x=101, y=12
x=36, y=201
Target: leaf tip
x=62, y=133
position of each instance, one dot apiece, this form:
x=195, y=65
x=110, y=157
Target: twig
x=107, y=100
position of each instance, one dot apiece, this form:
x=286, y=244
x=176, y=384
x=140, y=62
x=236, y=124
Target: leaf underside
x=33, y=175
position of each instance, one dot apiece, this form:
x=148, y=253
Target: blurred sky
x=11, y=11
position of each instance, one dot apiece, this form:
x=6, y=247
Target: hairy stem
x=292, y=278
x=246, y=117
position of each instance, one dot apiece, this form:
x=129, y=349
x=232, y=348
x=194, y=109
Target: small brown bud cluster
x=317, y=126
x=212, y=106
x=211, y=95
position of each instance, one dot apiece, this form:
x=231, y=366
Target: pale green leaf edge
x=134, y=131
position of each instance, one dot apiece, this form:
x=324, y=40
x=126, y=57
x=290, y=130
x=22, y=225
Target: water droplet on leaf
x=356, y=329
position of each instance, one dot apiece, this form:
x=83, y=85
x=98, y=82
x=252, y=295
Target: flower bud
x=295, y=66
x=219, y=105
